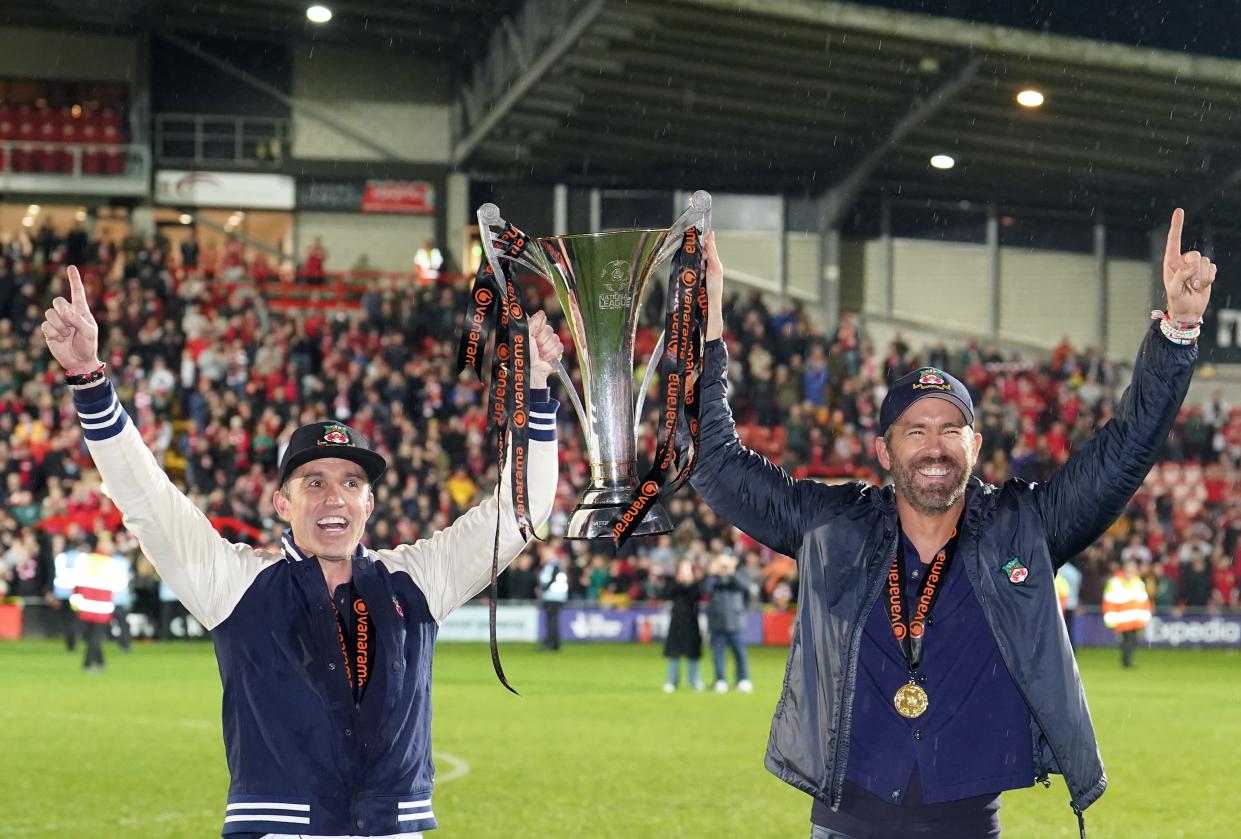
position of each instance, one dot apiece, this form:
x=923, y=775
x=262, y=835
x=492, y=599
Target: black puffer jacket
x=844, y=538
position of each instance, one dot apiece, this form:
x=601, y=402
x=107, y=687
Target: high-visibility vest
x=1126, y=605
x=1062, y=592
x=95, y=585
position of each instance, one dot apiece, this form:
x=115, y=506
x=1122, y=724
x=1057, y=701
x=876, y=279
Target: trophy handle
x=697, y=214
x=646, y=383
x=489, y=217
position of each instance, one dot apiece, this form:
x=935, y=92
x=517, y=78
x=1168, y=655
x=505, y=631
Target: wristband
x=81, y=380
x=1178, y=332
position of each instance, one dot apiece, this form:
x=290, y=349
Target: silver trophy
x=599, y=279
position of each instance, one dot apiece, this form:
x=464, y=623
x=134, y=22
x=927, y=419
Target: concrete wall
x=402, y=104
x=1044, y=295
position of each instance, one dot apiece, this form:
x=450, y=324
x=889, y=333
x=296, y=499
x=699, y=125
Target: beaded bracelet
x=1178, y=332
x=76, y=381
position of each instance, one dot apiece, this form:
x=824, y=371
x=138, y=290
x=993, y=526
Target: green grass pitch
x=593, y=748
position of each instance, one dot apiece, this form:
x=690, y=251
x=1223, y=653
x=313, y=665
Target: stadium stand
x=218, y=375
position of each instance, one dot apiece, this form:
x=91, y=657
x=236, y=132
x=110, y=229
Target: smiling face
x=326, y=503
x=930, y=452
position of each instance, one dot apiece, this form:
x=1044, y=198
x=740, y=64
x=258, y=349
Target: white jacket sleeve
x=208, y=573
x=454, y=564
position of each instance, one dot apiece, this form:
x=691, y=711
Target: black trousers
x=121, y=618
x=69, y=623
x=551, y=616
x=94, y=634
x=1128, y=644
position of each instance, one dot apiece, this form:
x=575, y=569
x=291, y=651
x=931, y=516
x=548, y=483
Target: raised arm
x=208, y=573
x=1091, y=490
x=742, y=486
x=455, y=564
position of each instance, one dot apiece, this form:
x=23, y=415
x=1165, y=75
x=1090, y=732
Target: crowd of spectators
x=217, y=382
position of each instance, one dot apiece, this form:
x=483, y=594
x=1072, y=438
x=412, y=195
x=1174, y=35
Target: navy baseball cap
x=921, y=383
x=331, y=439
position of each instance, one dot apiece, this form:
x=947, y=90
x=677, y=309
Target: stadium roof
x=797, y=95
x=790, y=96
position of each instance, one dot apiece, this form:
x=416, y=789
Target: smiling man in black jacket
x=930, y=669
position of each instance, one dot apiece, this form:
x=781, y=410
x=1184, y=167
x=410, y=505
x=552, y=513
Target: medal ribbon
x=494, y=303
x=359, y=673
x=910, y=635
x=679, y=368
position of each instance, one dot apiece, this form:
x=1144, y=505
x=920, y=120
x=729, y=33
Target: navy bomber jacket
x=304, y=759
x=844, y=538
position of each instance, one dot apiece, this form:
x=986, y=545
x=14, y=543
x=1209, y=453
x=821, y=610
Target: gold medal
x=911, y=701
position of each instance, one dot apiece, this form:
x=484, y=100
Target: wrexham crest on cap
x=931, y=379
x=336, y=435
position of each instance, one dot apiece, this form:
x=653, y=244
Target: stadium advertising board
x=374, y=195
x=181, y=188
x=1166, y=631
x=406, y=197
x=513, y=623
x=593, y=624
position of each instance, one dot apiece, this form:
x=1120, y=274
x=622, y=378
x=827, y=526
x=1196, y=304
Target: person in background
x=93, y=582
x=121, y=573
x=554, y=590
x=427, y=263
x=684, y=639
x=727, y=590
x=189, y=253
x=1126, y=608
x=522, y=581
x=1068, y=588
x=64, y=566
x=316, y=259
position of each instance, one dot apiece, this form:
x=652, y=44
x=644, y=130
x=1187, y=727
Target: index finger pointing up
x=1172, y=253
x=77, y=292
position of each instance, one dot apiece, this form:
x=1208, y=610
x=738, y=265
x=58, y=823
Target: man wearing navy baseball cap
x=325, y=645
x=917, y=405
x=930, y=669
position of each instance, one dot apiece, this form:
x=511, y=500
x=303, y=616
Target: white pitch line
x=458, y=767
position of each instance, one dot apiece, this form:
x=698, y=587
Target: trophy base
x=599, y=509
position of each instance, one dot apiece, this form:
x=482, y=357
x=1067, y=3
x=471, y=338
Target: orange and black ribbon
x=357, y=663
x=494, y=305
x=679, y=369
x=910, y=634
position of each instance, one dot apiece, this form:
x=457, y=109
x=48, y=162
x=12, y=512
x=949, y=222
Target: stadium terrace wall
x=1044, y=295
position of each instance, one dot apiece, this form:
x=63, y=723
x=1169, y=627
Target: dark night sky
x=1208, y=27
